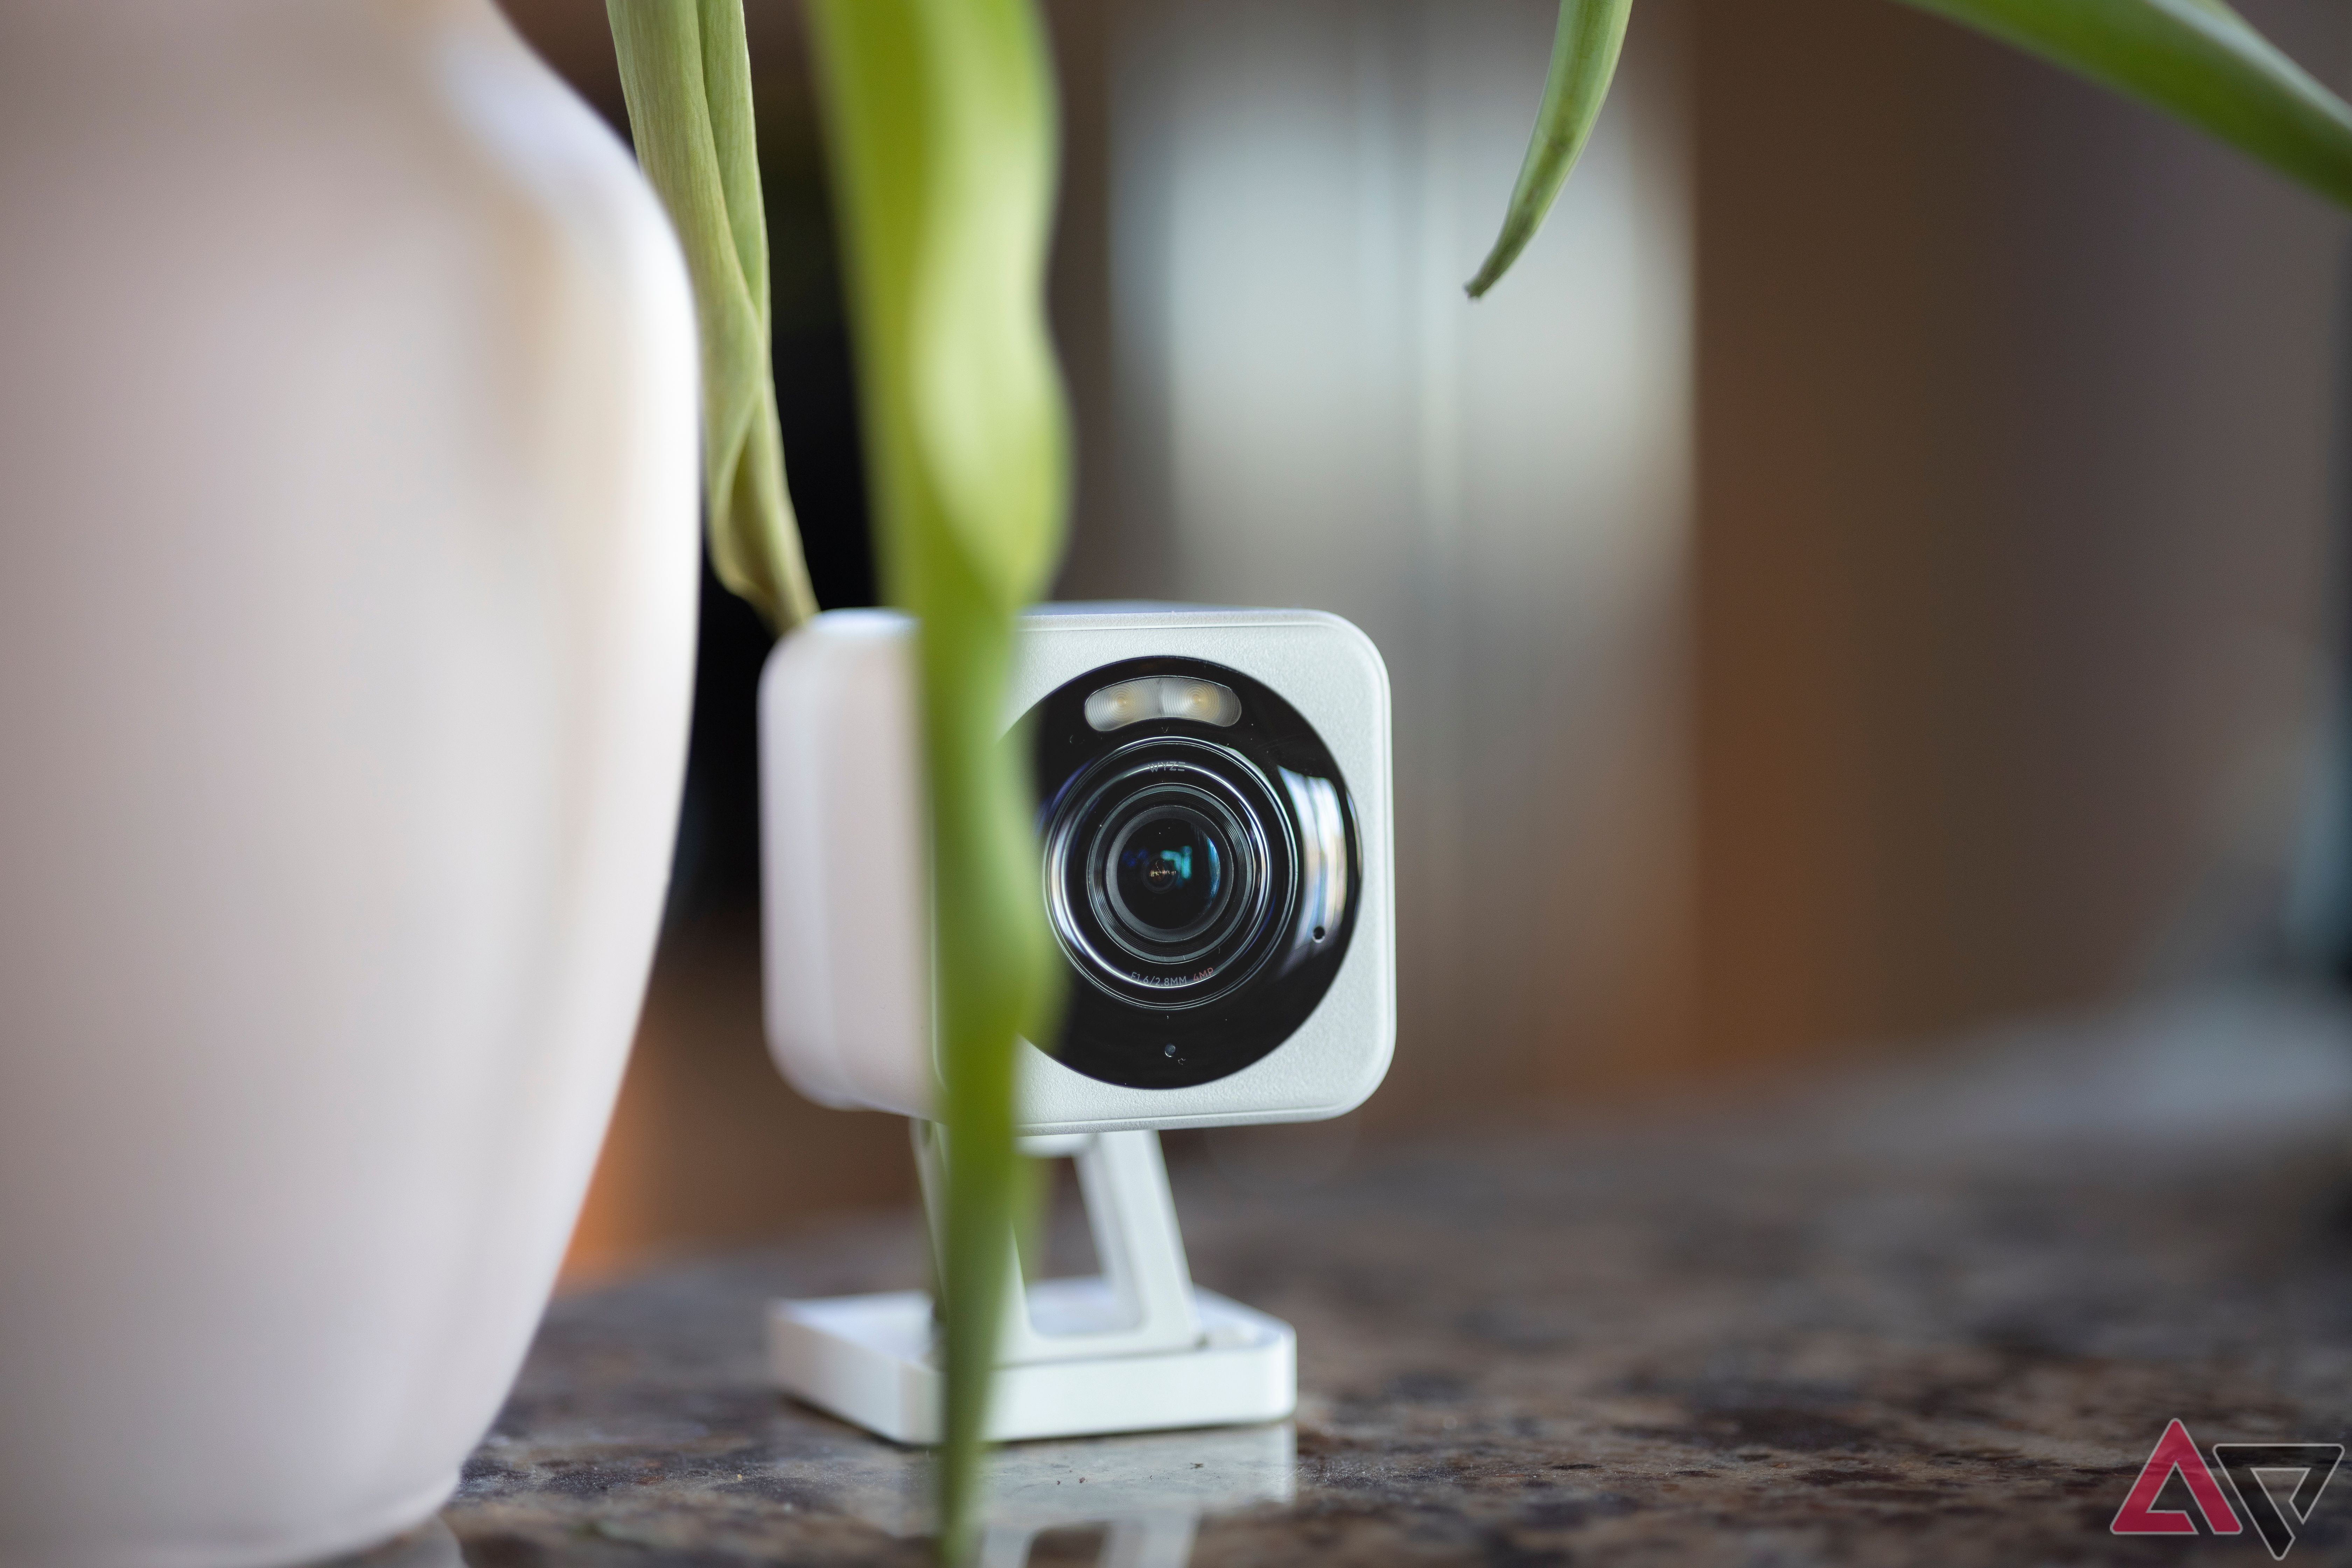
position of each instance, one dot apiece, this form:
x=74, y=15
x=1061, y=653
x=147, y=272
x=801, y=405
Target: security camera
x=1212, y=817
x=1215, y=862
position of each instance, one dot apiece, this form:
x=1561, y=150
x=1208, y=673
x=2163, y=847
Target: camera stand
x=1137, y=1350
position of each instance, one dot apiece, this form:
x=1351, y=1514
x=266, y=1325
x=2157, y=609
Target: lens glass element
x=1169, y=869
x=1168, y=873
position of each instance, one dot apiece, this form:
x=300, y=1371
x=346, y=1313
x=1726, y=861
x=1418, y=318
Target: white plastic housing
x=847, y=890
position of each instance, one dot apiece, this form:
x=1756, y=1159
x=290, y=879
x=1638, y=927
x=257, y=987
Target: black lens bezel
x=1139, y=1033
x=1135, y=777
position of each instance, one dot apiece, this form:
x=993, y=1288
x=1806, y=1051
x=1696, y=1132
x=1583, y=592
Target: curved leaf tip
x=1583, y=62
x=685, y=73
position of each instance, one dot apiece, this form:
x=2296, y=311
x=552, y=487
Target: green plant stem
x=939, y=123
x=685, y=72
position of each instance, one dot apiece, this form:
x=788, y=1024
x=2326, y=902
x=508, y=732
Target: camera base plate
x=870, y=1359
x=1138, y=1349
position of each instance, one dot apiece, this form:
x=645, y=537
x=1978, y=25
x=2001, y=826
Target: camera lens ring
x=1229, y=860
x=1186, y=966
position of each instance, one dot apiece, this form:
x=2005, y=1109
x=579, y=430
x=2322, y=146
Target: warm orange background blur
x=1985, y=671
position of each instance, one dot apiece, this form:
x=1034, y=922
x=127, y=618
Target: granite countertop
x=1938, y=1316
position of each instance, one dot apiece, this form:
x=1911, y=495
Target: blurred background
x=1870, y=573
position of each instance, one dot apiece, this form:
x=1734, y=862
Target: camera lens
x=1167, y=878
x=1169, y=868
x=1200, y=867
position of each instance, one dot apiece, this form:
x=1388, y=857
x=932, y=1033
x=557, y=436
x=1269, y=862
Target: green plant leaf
x=2196, y=59
x=687, y=75
x=940, y=128
x=986, y=392
x=1584, y=50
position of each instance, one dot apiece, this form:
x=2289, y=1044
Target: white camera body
x=1218, y=865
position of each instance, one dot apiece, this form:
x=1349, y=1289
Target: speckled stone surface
x=1933, y=1318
